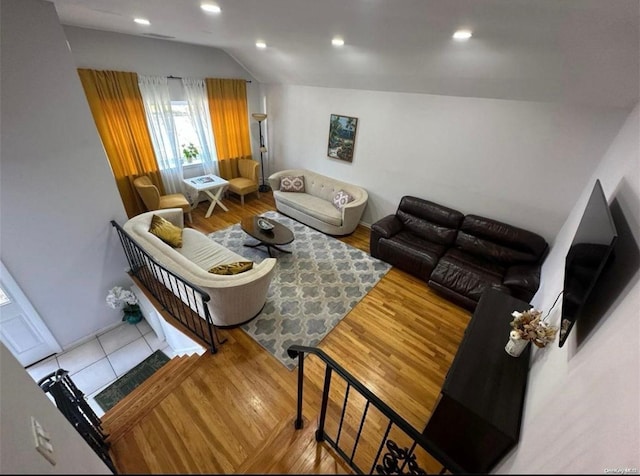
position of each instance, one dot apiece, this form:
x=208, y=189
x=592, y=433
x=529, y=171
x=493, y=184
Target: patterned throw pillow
x=290, y=183
x=341, y=198
x=166, y=231
x=232, y=268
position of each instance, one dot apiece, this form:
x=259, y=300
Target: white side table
x=213, y=187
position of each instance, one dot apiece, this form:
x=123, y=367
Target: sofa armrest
x=352, y=211
x=174, y=215
x=387, y=226
x=236, y=302
x=384, y=228
x=274, y=179
x=523, y=276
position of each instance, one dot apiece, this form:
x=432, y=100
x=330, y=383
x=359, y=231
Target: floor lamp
x=258, y=116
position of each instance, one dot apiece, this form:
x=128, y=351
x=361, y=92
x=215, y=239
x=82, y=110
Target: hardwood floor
x=234, y=412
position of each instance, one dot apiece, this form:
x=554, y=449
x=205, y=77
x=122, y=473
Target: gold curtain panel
x=230, y=120
x=118, y=111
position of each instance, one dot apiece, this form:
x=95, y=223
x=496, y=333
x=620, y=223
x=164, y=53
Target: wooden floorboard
x=399, y=341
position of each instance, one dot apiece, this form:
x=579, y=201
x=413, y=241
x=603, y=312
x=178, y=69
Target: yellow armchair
x=154, y=201
x=247, y=181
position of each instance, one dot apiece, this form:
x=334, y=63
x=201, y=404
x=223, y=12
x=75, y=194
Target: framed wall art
x=342, y=137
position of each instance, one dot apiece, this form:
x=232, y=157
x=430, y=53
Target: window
x=4, y=299
x=185, y=131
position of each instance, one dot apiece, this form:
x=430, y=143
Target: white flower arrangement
x=119, y=298
x=530, y=326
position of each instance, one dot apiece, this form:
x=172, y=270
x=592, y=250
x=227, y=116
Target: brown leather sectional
x=459, y=255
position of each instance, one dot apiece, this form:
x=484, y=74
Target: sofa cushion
x=204, y=252
x=491, y=250
x=426, y=229
x=290, y=183
x=341, y=198
x=313, y=206
x=232, y=268
x=429, y=220
x=242, y=185
x=525, y=277
x=474, y=261
x=431, y=211
x=499, y=241
x=166, y=231
x=410, y=253
x=465, y=280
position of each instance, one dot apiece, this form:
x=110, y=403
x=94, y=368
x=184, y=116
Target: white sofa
x=235, y=299
x=315, y=206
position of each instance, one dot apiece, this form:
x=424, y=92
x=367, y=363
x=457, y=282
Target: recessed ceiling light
x=142, y=21
x=462, y=35
x=261, y=44
x=337, y=41
x=210, y=8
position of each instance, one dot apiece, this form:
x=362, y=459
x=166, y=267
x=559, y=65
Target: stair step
x=124, y=404
x=292, y=451
x=143, y=399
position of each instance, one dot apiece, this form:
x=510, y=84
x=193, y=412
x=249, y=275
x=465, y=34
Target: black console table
x=477, y=417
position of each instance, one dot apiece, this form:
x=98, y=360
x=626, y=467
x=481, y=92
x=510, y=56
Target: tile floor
x=96, y=364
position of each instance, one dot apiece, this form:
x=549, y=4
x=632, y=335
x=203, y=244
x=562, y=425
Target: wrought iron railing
x=390, y=456
x=183, y=301
x=72, y=404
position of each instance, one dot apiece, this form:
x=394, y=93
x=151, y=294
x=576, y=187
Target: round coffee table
x=279, y=235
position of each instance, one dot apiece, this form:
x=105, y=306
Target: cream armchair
x=152, y=199
x=247, y=181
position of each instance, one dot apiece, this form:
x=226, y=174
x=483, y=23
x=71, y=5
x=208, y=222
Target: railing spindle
x=344, y=409
x=355, y=444
x=384, y=440
x=323, y=408
x=408, y=458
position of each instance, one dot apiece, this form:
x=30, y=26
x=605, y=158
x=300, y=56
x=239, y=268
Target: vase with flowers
x=120, y=298
x=529, y=326
x=190, y=152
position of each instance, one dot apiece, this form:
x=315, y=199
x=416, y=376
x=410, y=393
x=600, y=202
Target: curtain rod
x=178, y=77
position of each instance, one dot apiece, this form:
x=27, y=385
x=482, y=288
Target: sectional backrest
x=429, y=220
x=499, y=242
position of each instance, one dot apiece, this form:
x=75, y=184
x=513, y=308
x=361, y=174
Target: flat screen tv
x=589, y=252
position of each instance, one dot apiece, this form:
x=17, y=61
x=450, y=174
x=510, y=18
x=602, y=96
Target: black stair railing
x=396, y=459
x=72, y=404
x=182, y=300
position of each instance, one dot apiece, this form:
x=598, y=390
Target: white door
x=22, y=330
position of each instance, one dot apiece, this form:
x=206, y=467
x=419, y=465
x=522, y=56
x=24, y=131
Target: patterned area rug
x=129, y=381
x=313, y=288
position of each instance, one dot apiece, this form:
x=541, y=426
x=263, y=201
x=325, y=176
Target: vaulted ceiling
x=577, y=51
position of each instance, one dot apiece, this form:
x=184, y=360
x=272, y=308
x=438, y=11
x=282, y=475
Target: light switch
x=42, y=441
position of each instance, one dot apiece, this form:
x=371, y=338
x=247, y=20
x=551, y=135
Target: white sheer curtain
x=157, y=106
x=196, y=94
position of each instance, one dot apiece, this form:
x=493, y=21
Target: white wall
x=96, y=49
x=521, y=162
x=582, y=410
x=57, y=191
x=517, y=161
x=21, y=399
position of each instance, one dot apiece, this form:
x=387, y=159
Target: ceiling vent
x=157, y=35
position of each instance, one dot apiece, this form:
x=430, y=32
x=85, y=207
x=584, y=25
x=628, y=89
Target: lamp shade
x=259, y=116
